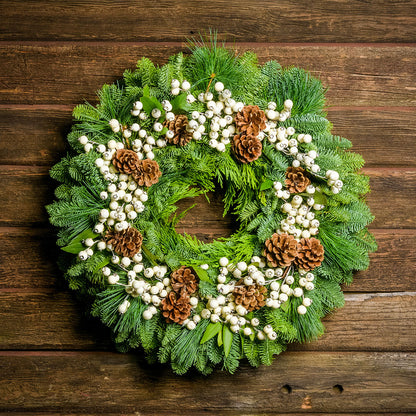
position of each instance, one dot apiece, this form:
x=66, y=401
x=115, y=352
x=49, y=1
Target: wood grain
x=71, y=73
x=27, y=189
x=107, y=382
x=40, y=131
x=392, y=266
x=54, y=359
x=259, y=21
x=47, y=319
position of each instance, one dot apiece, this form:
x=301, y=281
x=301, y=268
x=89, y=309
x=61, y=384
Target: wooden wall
x=56, y=54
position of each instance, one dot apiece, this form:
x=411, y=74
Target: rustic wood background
x=55, y=54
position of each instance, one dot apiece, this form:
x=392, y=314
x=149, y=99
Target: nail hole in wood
x=286, y=389
x=338, y=389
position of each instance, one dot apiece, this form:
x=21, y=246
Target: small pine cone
x=246, y=148
x=125, y=161
x=310, y=254
x=184, y=281
x=126, y=243
x=179, y=127
x=280, y=250
x=147, y=172
x=176, y=308
x=251, y=120
x=296, y=180
x=252, y=297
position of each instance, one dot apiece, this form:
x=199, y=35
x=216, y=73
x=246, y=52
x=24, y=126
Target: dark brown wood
x=56, y=54
x=47, y=319
x=70, y=73
x=260, y=21
x=107, y=382
x=271, y=413
x=392, y=266
x=28, y=189
x=41, y=130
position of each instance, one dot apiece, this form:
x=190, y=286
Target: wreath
x=210, y=120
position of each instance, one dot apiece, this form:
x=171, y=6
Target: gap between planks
x=227, y=44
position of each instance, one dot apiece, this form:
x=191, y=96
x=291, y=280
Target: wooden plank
x=368, y=129
x=69, y=73
x=399, y=184
x=27, y=189
x=392, y=266
x=41, y=130
x=272, y=413
x=53, y=320
x=48, y=320
x=112, y=383
x=261, y=21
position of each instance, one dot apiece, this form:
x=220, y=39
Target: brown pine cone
x=251, y=120
x=280, y=250
x=147, y=172
x=125, y=161
x=184, y=281
x=126, y=243
x=310, y=254
x=296, y=179
x=179, y=127
x=246, y=148
x=251, y=297
x=176, y=308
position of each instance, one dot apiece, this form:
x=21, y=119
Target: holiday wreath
x=210, y=120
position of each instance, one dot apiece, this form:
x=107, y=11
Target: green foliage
x=195, y=170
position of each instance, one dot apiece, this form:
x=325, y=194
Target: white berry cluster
x=126, y=201
x=278, y=282
x=141, y=283
x=300, y=220
x=217, y=121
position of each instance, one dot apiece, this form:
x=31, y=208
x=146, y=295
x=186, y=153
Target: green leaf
x=219, y=339
x=267, y=184
x=75, y=246
x=180, y=103
x=146, y=91
x=149, y=103
x=227, y=337
x=285, y=306
x=151, y=257
x=320, y=198
x=202, y=274
x=212, y=330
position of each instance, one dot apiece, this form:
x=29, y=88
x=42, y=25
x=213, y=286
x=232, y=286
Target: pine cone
x=251, y=297
x=147, y=172
x=184, y=281
x=179, y=127
x=176, y=308
x=310, y=254
x=251, y=120
x=246, y=148
x=125, y=161
x=296, y=181
x=280, y=250
x=125, y=243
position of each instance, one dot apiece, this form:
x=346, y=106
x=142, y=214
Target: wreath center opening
x=205, y=219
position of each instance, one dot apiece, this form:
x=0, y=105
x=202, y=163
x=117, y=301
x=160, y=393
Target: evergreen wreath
x=210, y=119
